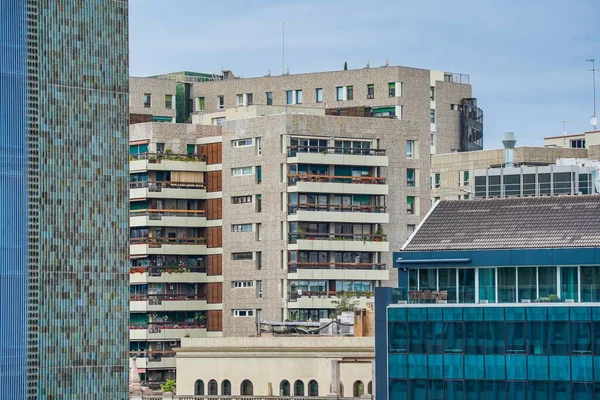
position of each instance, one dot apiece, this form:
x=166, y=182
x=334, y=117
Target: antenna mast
x=283, y=48
x=594, y=120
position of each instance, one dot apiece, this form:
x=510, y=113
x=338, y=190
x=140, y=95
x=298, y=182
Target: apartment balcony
x=167, y=162
x=337, y=156
x=167, y=302
x=167, y=331
x=338, y=271
x=338, y=242
x=324, y=299
x=167, y=190
x=314, y=183
x=176, y=246
x=154, y=359
x=141, y=275
x=338, y=213
x=168, y=218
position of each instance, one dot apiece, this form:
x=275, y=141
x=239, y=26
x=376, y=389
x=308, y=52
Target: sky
x=525, y=58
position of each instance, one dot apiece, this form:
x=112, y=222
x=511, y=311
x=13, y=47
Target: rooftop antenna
x=564, y=122
x=283, y=48
x=594, y=120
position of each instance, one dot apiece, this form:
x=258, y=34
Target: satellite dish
x=594, y=121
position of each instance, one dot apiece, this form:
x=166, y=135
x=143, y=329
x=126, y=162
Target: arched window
x=298, y=388
x=246, y=388
x=370, y=387
x=225, y=388
x=199, y=388
x=284, y=388
x=213, y=388
x=359, y=389
x=313, y=388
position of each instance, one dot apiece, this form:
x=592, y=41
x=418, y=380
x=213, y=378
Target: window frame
x=241, y=227
x=242, y=171
x=318, y=95
x=242, y=143
x=241, y=256
x=241, y=199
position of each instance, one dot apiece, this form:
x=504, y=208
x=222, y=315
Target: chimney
x=509, y=149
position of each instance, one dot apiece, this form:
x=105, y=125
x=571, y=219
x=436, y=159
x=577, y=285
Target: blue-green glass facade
x=498, y=352
x=63, y=199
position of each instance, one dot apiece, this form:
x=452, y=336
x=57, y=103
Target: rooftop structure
x=574, y=141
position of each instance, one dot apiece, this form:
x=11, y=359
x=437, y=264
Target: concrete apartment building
x=304, y=199
x=574, y=141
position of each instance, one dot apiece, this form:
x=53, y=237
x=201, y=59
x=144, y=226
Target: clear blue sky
x=525, y=57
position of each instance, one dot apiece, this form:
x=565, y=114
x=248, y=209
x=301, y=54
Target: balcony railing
x=294, y=296
x=236, y=397
x=154, y=299
x=158, y=271
x=293, y=208
x=157, y=186
x=357, y=237
x=153, y=355
x=158, y=157
x=294, y=267
x=158, y=214
x=159, y=241
x=294, y=150
x=366, y=180
x=157, y=327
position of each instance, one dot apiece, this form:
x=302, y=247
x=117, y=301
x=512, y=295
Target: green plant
x=380, y=231
x=168, y=386
x=199, y=317
x=548, y=299
x=168, y=151
x=345, y=65
x=346, y=301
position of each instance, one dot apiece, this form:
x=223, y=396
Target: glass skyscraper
x=63, y=199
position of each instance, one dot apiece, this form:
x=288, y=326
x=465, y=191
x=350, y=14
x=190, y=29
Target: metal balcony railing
x=157, y=327
x=366, y=180
x=294, y=150
x=158, y=214
x=294, y=296
x=157, y=186
x=158, y=157
x=159, y=241
x=159, y=298
x=357, y=237
x=293, y=208
x=294, y=267
x=159, y=271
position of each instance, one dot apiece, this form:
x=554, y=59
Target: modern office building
x=63, y=199
x=496, y=298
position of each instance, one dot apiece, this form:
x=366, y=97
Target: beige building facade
x=152, y=99
x=279, y=366
x=574, y=141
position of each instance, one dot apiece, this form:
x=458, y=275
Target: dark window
x=147, y=100
x=241, y=256
x=284, y=388
x=246, y=388
x=313, y=388
x=269, y=97
x=298, y=388
x=199, y=388
x=370, y=91
x=213, y=388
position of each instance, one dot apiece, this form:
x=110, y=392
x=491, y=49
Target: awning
x=134, y=142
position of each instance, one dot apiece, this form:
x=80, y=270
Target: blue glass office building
x=63, y=199
x=497, y=299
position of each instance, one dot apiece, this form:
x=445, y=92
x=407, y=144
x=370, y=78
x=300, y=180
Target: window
x=246, y=388
x=199, y=388
x=410, y=177
x=190, y=149
x=239, y=100
x=432, y=93
x=259, y=203
x=410, y=228
x=284, y=388
x=349, y=93
x=242, y=284
x=454, y=107
x=436, y=180
x=259, y=289
x=319, y=97
x=169, y=101
x=358, y=389
x=241, y=199
x=298, y=96
x=249, y=99
x=242, y=142
x=213, y=387
x=259, y=146
x=220, y=102
x=432, y=116
x=200, y=103
x=258, y=174
x=269, y=97
x=578, y=144
x=392, y=89
x=241, y=256
x=226, y=388
x=160, y=147
x=241, y=228
x=289, y=97
x=243, y=313
x=410, y=148
x=258, y=260
x=410, y=204
x=432, y=139
x=147, y=100
x=465, y=178
x=243, y=171
x=298, y=388
x=339, y=93
x=352, y=147
x=370, y=91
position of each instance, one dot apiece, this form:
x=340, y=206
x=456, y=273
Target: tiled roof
x=514, y=223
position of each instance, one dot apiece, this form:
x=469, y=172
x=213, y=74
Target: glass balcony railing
x=157, y=186
x=294, y=150
x=294, y=267
x=158, y=214
x=158, y=241
x=158, y=157
x=293, y=208
x=316, y=178
x=357, y=237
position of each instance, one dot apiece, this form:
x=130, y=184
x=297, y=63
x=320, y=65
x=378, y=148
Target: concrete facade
x=451, y=167
x=158, y=89
x=577, y=140
x=594, y=152
x=268, y=361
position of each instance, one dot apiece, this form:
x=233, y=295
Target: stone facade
x=594, y=152
x=176, y=137
x=158, y=89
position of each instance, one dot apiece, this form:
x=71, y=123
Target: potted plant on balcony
x=379, y=235
x=200, y=318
